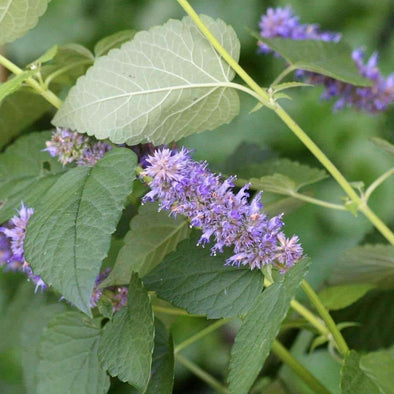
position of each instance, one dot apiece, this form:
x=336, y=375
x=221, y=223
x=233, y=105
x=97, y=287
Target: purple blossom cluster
x=281, y=22
x=12, y=236
x=12, y=257
x=184, y=186
x=70, y=146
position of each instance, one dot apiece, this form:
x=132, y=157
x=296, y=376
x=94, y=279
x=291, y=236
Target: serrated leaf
x=259, y=329
x=152, y=235
x=353, y=379
x=372, y=264
x=165, y=84
x=126, y=345
x=68, y=356
x=287, y=176
x=192, y=279
x=13, y=84
x=338, y=297
x=69, y=234
x=19, y=110
x=162, y=377
x=23, y=176
x=113, y=41
x=379, y=367
x=19, y=16
x=384, y=144
x=36, y=318
x=328, y=58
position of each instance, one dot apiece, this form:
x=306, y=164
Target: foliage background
x=343, y=136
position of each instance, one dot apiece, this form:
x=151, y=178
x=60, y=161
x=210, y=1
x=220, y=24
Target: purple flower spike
x=12, y=236
x=71, y=146
x=186, y=187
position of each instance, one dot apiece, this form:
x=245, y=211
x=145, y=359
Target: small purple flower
x=13, y=235
x=71, y=146
x=183, y=186
x=282, y=23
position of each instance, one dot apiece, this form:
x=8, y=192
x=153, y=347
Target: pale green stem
x=286, y=357
x=64, y=69
x=315, y=300
x=169, y=311
x=47, y=94
x=206, y=377
x=279, y=78
x=377, y=183
x=290, y=123
x=201, y=334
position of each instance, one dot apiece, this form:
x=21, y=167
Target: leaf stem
x=64, y=69
x=170, y=311
x=47, y=94
x=287, y=358
x=279, y=78
x=302, y=136
x=315, y=300
x=203, y=375
x=377, y=182
x=201, y=334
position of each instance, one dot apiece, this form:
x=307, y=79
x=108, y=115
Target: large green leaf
x=68, y=356
x=69, y=234
x=353, y=379
x=162, y=377
x=284, y=176
x=259, y=329
x=36, y=319
x=192, y=279
x=152, y=235
x=166, y=83
x=338, y=297
x=26, y=173
x=19, y=16
x=126, y=345
x=328, y=58
x=366, y=264
x=384, y=145
x=19, y=110
x=113, y=41
x=379, y=367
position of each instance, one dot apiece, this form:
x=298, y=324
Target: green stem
x=206, y=377
x=169, y=311
x=290, y=123
x=64, y=69
x=315, y=300
x=279, y=78
x=201, y=334
x=298, y=368
x=377, y=183
x=47, y=94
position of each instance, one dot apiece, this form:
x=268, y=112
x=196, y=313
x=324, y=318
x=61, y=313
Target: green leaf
x=162, y=377
x=290, y=85
x=126, y=345
x=287, y=176
x=328, y=58
x=192, y=279
x=366, y=264
x=152, y=235
x=338, y=297
x=353, y=379
x=68, y=356
x=260, y=327
x=383, y=144
x=46, y=56
x=19, y=16
x=69, y=234
x=379, y=367
x=113, y=41
x=19, y=110
x=23, y=176
x=36, y=318
x=13, y=84
x=166, y=83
